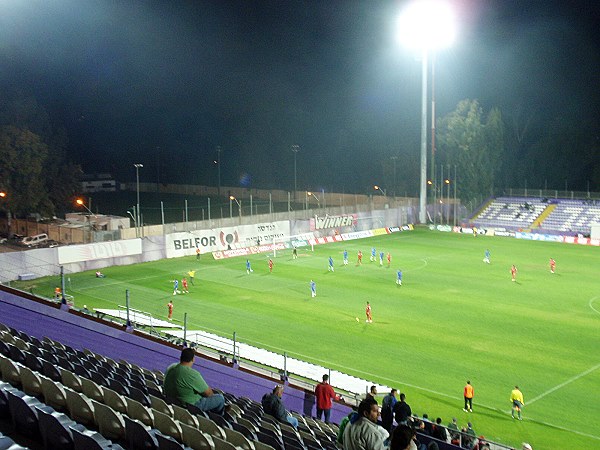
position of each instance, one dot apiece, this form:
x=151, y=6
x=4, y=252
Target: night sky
x=164, y=83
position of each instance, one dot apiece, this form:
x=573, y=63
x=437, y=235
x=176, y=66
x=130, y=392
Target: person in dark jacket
x=402, y=411
x=273, y=406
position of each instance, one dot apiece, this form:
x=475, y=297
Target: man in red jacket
x=324, y=393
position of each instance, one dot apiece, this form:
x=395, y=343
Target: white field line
x=591, y=304
x=564, y=383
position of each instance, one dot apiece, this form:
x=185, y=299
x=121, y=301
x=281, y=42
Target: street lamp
x=295, y=149
x=80, y=202
x=380, y=189
x=426, y=25
x=312, y=194
x=137, y=186
x=232, y=198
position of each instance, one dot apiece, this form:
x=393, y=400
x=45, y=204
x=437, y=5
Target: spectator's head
x=433, y=446
x=393, y=392
x=438, y=420
x=325, y=378
x=402, y=397
x=278, y=390
x=369, y=409
x=401, y=438
x=187, y=356
x=373, y=388
x=426, y=417
x=469, y=425
x=526, y=446
x=454, y=420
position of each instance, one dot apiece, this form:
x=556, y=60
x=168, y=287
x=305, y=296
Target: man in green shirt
x=185, y=384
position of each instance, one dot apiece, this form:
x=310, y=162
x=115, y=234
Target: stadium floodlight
x=2, y=194
x=380, y=189
x=426, y=25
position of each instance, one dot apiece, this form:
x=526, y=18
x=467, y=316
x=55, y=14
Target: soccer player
x=192, y=274
x=330, y=267
x=175, y=286
x=516, y=398
x=295, y=253
x=170, y=306
x=359, y=258
x=184, y=286
x=345, y=257
x=381, y=254
x=486, y=256
x=197, y=253
x=313, y=289
x=389, y=259
x=552, y=265
x=270, y=265
x=373, y=254
x=513, y=272
x=368, y=313
x=248, y=267
x=469, y=393
x=399, y=277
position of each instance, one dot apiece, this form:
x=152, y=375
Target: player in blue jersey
x=175, y=286
x=330, y=267
x=373, y=255
x=486, y=256
x=345, y=257
x=399, y=277
x=381, y=255
x=313, y=289
x=248, y=267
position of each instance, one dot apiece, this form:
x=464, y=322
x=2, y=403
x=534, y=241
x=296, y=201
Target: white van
x=33, y=241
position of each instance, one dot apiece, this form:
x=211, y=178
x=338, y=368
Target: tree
x=474, y=144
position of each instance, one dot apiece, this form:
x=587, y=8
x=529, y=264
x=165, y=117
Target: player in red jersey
x=389, y=259
x=513, y=272
x=184, y=284
x=359, y=257
x=368, y=313
x=270, y=265
x=552, y=265
x=170, y=306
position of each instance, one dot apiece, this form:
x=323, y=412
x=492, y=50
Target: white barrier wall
x=221, y=239
x=101, y=250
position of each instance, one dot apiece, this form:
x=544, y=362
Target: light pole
x=3, y=195
x=295, y=149
x=231, y=197
x=80, y=202
x=312, y=194
x=137, y=187
x=426, y=25
x=380, y=189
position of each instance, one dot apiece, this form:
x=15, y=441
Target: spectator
x=387, y=410
x=363, y=433
x=402, y=411
x=427, y=425
x=273, y=406
x=453, y=430
x=439, y=432
x=186, y=384
x=469, y=437
x=372, y=392
x=402, y=438
x=324, y=393
x=343, y=424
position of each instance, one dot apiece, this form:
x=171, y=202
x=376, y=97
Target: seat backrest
x=71, y=380
x=160, y=405
x=221, y=444
x=136, y=410
x=184, y=416
x=80, y=407
x=196, y=439
x=54, y=394
x=138, y=436
x=54, y=428
x=211, y=428
x=31, y=382
x=110, y=423
x=237, y=439
x=11, y=372
x=115, y=400
x=92, y=390
x=167, y=425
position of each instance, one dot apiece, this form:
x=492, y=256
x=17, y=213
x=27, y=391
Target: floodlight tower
x=425, y=26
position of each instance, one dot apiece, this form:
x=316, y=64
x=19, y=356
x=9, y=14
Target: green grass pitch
x=454, y=318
